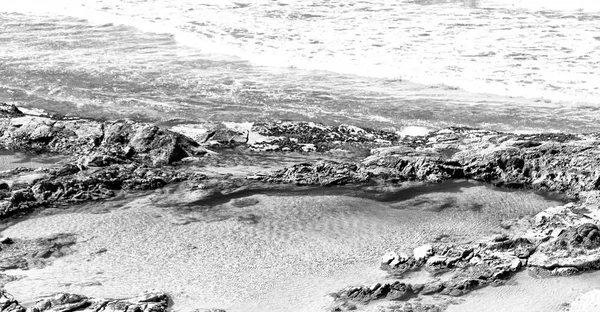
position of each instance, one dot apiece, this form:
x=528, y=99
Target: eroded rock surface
x=550, y=162
x=150, y=302
x=85, y=137
x=101, y=159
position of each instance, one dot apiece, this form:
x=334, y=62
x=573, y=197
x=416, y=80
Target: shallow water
x=11, y=160
x=280, y=252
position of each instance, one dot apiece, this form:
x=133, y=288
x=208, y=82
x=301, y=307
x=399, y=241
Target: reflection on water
x=276, y=250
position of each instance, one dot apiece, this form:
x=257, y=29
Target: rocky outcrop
x=75, y=183
x=149, y=302
x=101, y=159
x=308, y=136
x=84, y=137
x=326, y=173
x=107, y=157
x=566, y=164
x=560, y=241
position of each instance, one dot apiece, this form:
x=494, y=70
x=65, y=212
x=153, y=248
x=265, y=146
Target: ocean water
x=504, y=64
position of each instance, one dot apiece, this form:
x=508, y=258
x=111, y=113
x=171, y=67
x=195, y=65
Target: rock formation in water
x=103, y=158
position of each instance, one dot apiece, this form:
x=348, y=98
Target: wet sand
x=259, y=252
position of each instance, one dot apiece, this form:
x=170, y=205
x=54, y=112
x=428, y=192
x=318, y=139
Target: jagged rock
x=324, y=173
x=225, y=137
x=149, y=302
x=308, y=136
x=8, y=303
x=9, y=111
x=82, y=137
x=154, y=302
x=549, y=162
x=72, y=183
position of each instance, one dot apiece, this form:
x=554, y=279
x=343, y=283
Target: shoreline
x=104, y=159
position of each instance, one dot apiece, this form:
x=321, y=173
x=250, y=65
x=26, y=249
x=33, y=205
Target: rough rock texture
x=550, y=162
x=308, y=136
x=150, y=302
x=124, y=138
x=560, y=241
x=101, y=159
x=73, y=183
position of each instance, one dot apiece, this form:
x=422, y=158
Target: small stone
x=7, y=241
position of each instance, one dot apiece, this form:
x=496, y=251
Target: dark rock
x=151, y=302
x=8, y=303
x=8, y=111
x=585, y=236
x=150, y=143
